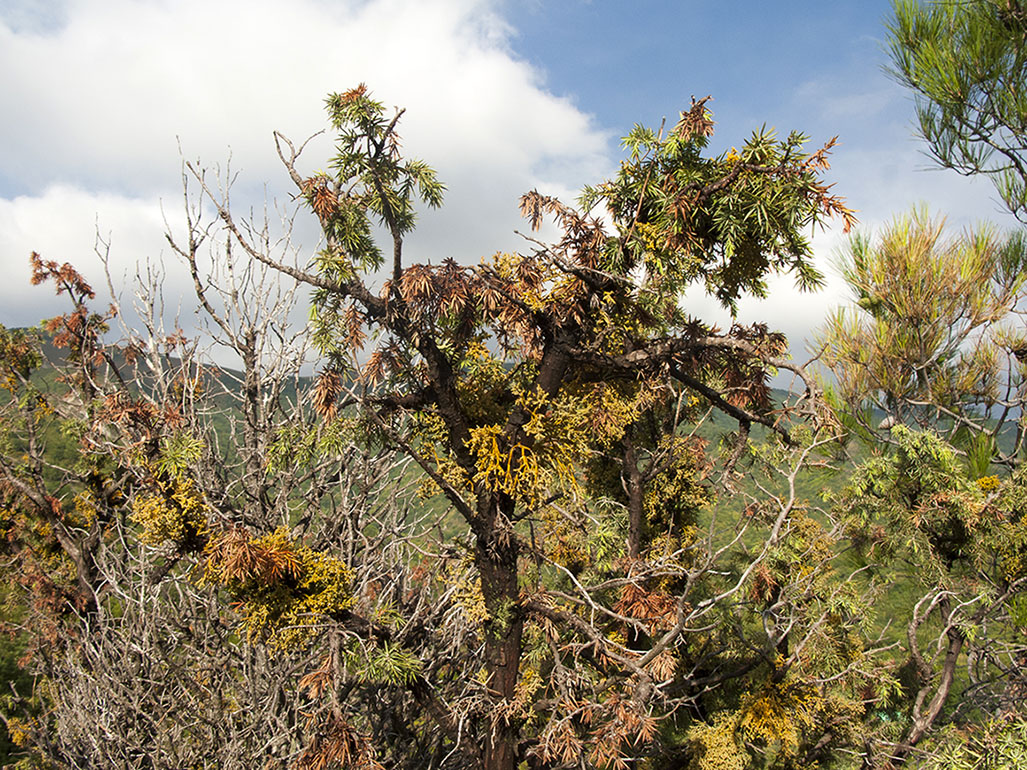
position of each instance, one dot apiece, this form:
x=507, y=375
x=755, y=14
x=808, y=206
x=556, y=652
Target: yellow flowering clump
x=176, y=513
x=495, y=467
x=716, y=745
x=449, y=471
x=468, y=593
x=667, y=545
x=988, y=483
x=799, y=557
x=559, y=434
x=282, y=588
x=775, y=715
x=430, y=437
x=531, y=682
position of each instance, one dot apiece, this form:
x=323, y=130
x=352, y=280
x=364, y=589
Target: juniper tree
x=546, y=397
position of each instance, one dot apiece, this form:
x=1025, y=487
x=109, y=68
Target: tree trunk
x=922, y=721
x=496, y=558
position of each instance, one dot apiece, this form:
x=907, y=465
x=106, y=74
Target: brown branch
x=450, y=491
x=743, y=416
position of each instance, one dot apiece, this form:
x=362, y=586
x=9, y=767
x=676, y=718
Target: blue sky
x=632, y=61
x=501, y=97
x=795, y=65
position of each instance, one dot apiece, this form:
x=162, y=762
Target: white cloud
x=62, y=224
x=98, y=101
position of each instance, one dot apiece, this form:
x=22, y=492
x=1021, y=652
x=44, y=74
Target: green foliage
x=387, y=664
x=997, y=745
x=370, y=184
x=297, y=446
x=1007, y=539
x=935, y=342
x=917, y=501
x=725, y=221
x=178, y=452
x=966, y=62
x=924, y=332
x=921, y=503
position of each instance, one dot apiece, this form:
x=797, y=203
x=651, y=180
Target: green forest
x=530, y=512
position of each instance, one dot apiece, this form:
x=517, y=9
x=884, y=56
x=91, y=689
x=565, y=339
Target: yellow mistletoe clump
x=281, y=588
x=612, y=407
x=716, y=745
x=176, y=513
x=988, y=483
x=771, y=719
x=557, y=434
x=678, y=492
x=468, y=594
x=776, y=715
x=84, y=506
x=484, y=377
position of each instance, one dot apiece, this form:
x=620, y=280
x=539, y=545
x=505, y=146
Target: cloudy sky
x=103, y=99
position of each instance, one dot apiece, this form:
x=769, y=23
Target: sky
x=104, y=99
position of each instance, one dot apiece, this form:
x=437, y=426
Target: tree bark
x=496, y=557
x=922, y=720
